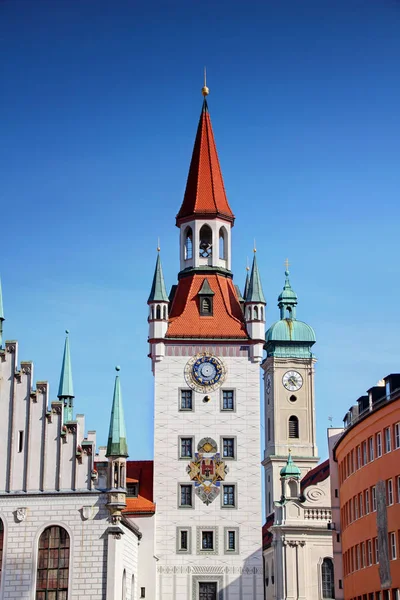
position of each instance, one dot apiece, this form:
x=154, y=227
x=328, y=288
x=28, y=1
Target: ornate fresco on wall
x=207, y=470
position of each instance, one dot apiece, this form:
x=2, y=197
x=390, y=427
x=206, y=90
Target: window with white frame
x=373, y=495
x=371, y=448
x=378, y=445
x=392, y=545
x=360, y=501
x=398, y=488
x=366, y=497
x=355, y=501
x=388, y=440
x=389, y=491
x=376, y=545
x=364, y=453
x=369, y=552
x=358, y=457
x=397, y=436
x=327, y=578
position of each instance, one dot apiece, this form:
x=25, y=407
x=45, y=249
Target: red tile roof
x=316, y=475
x=141, y=471
x=185, y=320
x=266, y=533
x=205, y=192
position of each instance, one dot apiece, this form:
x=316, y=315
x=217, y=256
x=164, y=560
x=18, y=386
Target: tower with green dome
x=289, y=394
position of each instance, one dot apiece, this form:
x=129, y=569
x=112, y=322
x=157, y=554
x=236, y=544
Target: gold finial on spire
x=247, y=264
x=204, y=90
x=158, y=245
x=255, y=247
x=287, y=264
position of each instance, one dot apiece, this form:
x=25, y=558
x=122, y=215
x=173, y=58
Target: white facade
x=238, y=573
x=48, y=480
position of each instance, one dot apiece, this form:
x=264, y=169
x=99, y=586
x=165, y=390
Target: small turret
x=255, y=310
x=290, y=479
x=66, y=388
x=1, y=316
x=117, y=452
x=158, y=312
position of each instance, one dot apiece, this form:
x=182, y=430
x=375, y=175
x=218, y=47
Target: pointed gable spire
x=205, y=192
x=158, y=292
x=255, y=292
x=246, y=283
x=117, y=445
x=66, y=388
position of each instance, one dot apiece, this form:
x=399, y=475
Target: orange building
x=368, y=457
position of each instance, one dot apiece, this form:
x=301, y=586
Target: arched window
x=288, y=312
x=249, y=313
x=1, y=545
x=124, y=585
x=164, y=313
x=205, y=246
x=188, y=243
x=53, y=564
x=261, y=313
x=256, y=313
x=293, y=427
x=269, y=429
x=152, y=312
x=158, y=312
x=133, y=588
x=327, y=578
x=222, y=243
x=293, y=488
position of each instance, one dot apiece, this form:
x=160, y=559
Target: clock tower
x=206, y=345
x=289, y=395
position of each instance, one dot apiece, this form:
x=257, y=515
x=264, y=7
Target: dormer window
x=206, y=300
x=132, y=489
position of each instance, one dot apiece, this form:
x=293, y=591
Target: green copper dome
x=290, y=330
x=290, y=469
x=289, y=338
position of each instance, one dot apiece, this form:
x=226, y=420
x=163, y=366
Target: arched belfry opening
x=188, y=243
x=205, y=244
x=223, y=244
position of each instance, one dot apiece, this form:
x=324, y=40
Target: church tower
x=289, y=395
x=206, y=356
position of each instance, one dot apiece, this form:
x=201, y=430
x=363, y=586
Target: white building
x=63, y=534
x=297, y=537
x=206, y=346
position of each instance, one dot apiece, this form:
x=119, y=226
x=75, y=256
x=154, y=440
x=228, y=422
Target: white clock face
x=292, y=380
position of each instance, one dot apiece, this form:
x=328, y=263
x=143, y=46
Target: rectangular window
x=186, y=447
x=398, y=488
x=389, y=492
x=207, y=540
x=388, y=440
x=397, y=436
x=392, y=545
x=369, y=551
x=358, y=457
x=355, y=502
x=183, y=541
x=373, y=495
x=371, y=448
x=363, y=557
x=231, y=540
x=366, y=502
x=228, y=447
x=376, y=550
x=378, y=445
x=364, y=453
x=186, y=400
x=186, y=495
x=360, y=501
x=352, y=461
x=358, y=557
x=143, y=592
x=228, y=400
x=20, y=441
x=229, y=495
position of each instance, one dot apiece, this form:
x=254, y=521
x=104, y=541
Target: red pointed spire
x=205, y=192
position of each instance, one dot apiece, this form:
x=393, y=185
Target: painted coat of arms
x=207, y=470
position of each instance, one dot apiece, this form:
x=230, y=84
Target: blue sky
x=100, y=102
